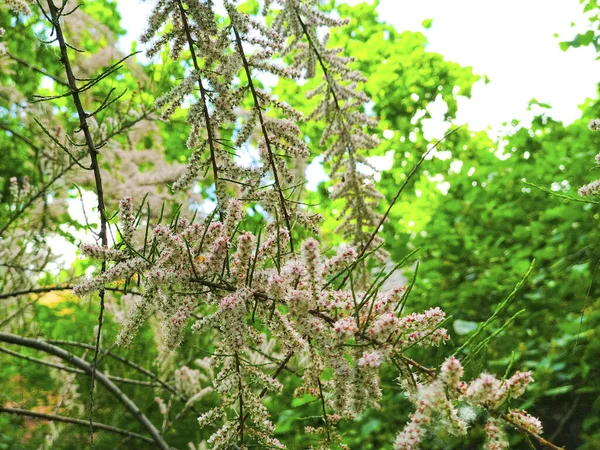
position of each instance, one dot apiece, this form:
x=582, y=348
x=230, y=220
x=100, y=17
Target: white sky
x=513, y=43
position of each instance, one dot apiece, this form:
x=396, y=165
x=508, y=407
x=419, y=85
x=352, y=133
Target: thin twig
x=524, y=430
x=207, y=119
x=74, y=370
x=37, y=69
x=263, y=127
x=93, y=152
x=85, y=423
x=89, y=369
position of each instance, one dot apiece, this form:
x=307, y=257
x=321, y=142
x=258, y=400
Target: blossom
x=496, y=437
x=590, y=189
x=525, y=420
x=371, y=359
x=594, y=125
x=438, y=399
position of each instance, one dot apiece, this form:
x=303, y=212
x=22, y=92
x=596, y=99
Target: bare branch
x=90, y=370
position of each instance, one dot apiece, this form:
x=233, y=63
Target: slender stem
x=34, y=197
x=524, y=430
x=74, y=370
x=55, y=13
x=89, y=369
x=85, y=423
x=274, y=376
x=401, y=189
x=239, y=374
x=203, y=98
x=324, y=409
x=37, y=69
x=265, y=135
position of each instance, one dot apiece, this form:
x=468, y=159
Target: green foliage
x=591, y=36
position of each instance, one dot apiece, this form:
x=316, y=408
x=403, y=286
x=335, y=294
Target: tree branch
x=89, y=369
x=55, y=14
x=265, y=135
x=85, y=423
x=209, y=130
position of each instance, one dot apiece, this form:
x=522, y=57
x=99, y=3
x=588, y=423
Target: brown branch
x=50, y=289
x=73, y=370
x=55, y=14
x=57, y=418
x=524, y=430
x=347, y=136
x=89, y=369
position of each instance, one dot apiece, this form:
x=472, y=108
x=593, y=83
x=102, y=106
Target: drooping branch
x=153, y=376
x=89, y=369
x=265, y=134
x=73, y=370
x=71, y=420
x=204, y=100
x=527, y=432
x=352, y=177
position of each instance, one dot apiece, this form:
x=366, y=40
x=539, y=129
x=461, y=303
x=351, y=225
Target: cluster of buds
x=438, y=400
x=592, y=188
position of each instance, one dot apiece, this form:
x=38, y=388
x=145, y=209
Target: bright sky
x=513, y=43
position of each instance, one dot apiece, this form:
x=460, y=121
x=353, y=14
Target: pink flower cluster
x=439, y=398
x=592, y=188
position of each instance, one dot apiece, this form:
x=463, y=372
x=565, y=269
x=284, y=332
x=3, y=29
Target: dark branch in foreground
x=89, y=369
x=84, y=423
x=55, y=14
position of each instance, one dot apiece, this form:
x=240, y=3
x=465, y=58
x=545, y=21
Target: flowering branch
x=265, y=134
x=203, y=99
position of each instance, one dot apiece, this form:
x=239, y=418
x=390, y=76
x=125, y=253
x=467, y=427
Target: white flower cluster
x=592, y=188
x=341, y=108
x=594, y=125
x=19, y=6
x=436, y=401
x=226, y=59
